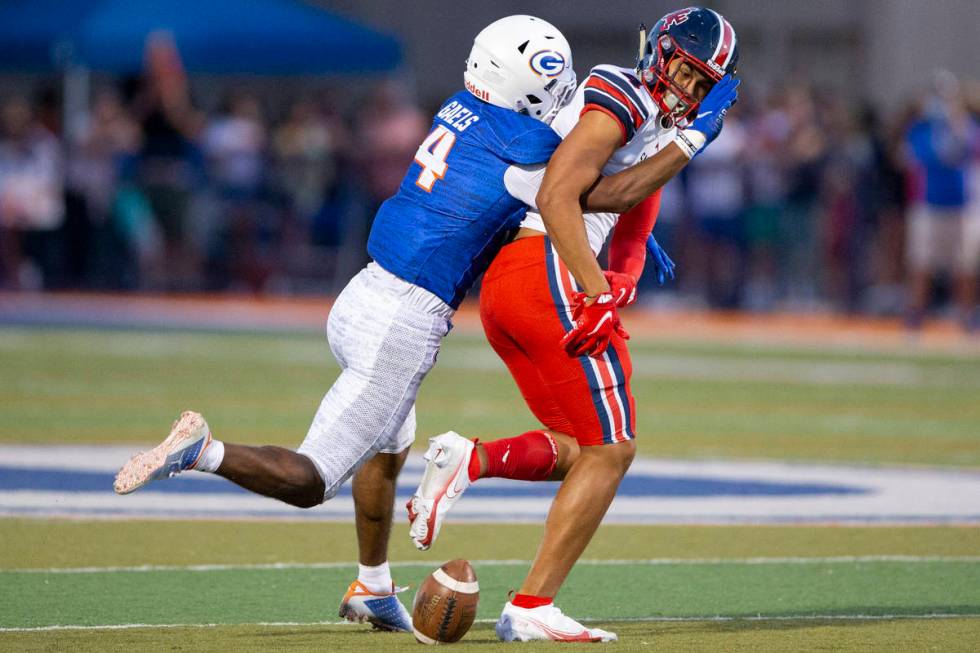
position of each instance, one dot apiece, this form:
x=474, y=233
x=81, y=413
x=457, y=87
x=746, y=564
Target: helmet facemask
x=676, y=104
x=560, y=91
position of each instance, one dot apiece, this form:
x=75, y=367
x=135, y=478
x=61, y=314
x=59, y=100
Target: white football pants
x=385, y=333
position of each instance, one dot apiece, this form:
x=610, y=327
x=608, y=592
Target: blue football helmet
x=701, y=37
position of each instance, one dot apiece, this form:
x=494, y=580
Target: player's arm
x=620, y=192
x=572, y=171
x=624, y=190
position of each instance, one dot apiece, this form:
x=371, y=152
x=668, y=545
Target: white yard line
x=718, y=618
x=781, y=560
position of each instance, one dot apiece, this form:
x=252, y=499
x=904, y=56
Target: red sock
x=529, y=601
x=528, y=457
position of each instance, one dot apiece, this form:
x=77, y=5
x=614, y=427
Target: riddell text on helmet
x=478, y=92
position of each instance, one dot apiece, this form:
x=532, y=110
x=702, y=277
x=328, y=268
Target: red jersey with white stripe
x=620, y=94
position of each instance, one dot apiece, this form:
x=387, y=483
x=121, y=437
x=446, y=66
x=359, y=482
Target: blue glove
x=712, y=110
x=661, y=262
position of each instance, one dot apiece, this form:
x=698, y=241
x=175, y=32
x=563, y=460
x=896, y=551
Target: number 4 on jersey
x=431, y=155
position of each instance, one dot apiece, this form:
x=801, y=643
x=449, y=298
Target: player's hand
x=661, y=262
x=622, y=286
x=712, y=109
x=595, y=324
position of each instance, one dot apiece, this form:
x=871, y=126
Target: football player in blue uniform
x=429, y=243
x=466, y=192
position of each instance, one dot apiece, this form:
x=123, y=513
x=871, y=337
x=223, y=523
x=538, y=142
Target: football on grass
x=445, y=605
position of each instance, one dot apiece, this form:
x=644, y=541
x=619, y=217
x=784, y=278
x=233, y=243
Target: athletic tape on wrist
x=690, y=141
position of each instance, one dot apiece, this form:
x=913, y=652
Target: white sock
x=212, y=457
x=377, y=579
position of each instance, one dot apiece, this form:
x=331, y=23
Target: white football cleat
x=445, y=479
x=545, y=622
x=383, y=611
x=182, y=449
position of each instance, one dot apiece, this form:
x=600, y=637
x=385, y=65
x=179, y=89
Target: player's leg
x=605, y=436
x=967, y=266
x=386, y=338
x=517, y=313
x=372, y=597
x=452, y=461
x=373, y=488
x=582, y=501
x=922, y=251
x=593, y=393
x=274, y=472
x=389, y=349
x=270, y=471
x=540, y=454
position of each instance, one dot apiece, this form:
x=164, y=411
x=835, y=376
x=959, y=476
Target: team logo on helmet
x=676, y=18
x=548, y=63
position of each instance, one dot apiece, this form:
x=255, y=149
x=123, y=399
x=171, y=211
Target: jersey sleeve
x=628, y=246
x=531, y=146
x=608, y=91
x=523, y=182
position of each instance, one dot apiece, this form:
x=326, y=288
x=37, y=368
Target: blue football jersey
x=452, y=212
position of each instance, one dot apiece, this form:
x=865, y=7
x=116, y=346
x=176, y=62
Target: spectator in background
x=768, y=133
x=31, y=196
x=939, y=150
x=105, y=152
x=305, y=148
x=970, y=281
x=717, y=199
x=308, y=149
x=388, y=133
x=235, y=225
x=234, y=147
x=806, y=148
x=170, y=127
x=848, y=197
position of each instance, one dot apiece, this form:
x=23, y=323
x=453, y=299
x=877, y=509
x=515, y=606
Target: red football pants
x=524, y=306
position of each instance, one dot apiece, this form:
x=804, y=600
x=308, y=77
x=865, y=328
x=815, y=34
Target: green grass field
x=693, y=401
x=707, y=588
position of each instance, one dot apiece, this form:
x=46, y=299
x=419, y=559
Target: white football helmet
x=522, y=63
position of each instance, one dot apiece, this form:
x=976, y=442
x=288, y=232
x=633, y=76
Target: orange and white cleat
x=445, y=479
x=545, y=622
x=189, y=438
x=383, y=611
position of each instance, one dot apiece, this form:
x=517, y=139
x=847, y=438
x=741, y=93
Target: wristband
x=690, y=141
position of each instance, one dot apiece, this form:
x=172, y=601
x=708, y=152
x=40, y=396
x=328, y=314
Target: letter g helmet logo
x=548, y=63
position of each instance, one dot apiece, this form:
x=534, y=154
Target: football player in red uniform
x=550, y=311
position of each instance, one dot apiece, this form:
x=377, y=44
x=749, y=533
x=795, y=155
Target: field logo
x=548, y=63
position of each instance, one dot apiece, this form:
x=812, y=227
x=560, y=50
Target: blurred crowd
x=806, y=201
x=152, y=193
x=812, y=201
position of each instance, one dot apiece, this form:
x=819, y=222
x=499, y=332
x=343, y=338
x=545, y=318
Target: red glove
x=622, y=286
x=595, y=324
